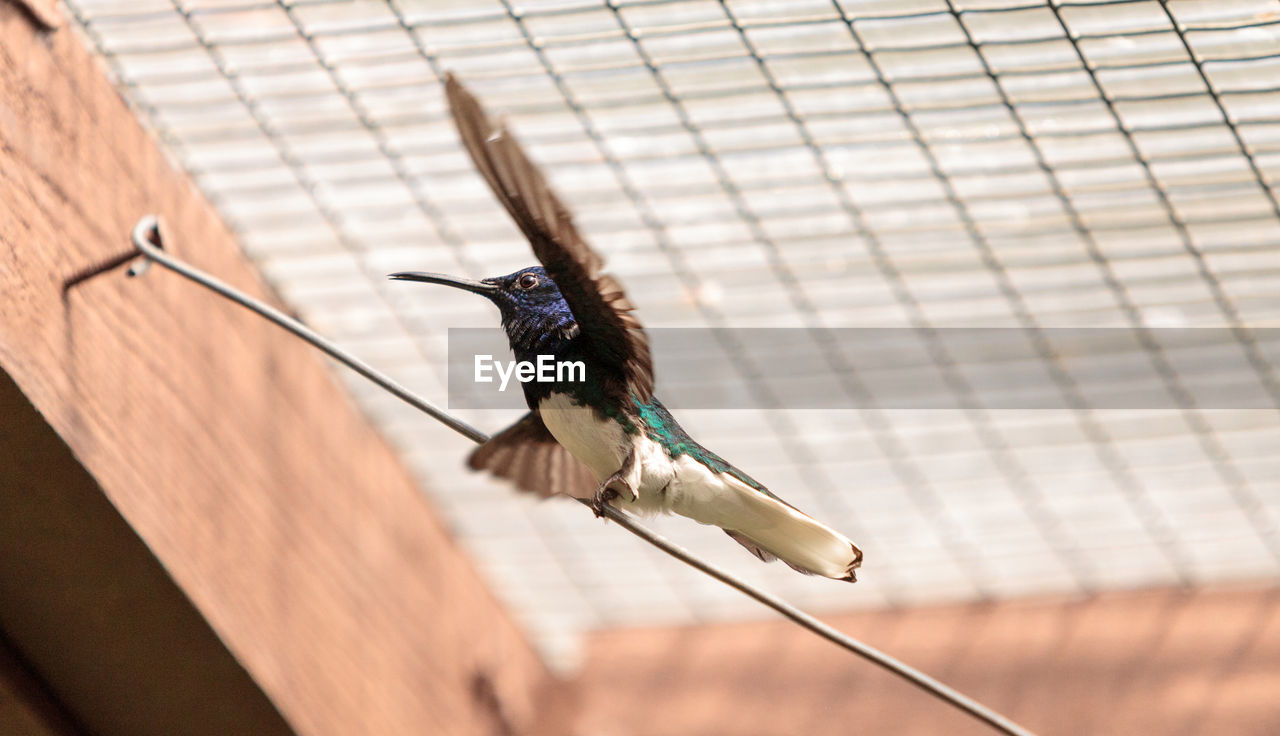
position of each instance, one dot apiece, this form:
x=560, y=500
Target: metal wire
x=1080, y=147
x=782, y=428
x=950, y=534
x=1250, y=503
x=1149, y=514
x=147, y=239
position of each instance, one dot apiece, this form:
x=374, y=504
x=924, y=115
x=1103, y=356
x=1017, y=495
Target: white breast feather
x=601, y=445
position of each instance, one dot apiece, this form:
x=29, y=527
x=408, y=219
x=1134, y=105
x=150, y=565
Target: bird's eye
x=527, y=281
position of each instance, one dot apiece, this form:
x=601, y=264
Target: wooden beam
x=229, y=447
x=92, y=615
x=27, y=706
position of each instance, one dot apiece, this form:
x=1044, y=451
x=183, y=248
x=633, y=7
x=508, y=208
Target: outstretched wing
x=602, y=310
x=526, y=454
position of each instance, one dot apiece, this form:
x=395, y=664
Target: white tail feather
x=803, y=543
x=762, y=523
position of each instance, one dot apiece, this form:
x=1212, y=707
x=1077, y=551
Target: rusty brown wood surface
x=227, y=445
x=44, y=14
x=1150, y=662
x=92, y=623
x=27, y=708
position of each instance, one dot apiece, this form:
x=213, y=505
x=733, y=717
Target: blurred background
x=1108, y=165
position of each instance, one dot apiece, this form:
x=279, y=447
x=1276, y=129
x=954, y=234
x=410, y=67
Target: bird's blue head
x=534, y=314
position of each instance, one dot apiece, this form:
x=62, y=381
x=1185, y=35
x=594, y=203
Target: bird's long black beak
x=475, y=287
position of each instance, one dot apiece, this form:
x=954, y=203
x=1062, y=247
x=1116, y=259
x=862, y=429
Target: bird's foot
x=603, y=496
x=607, y=492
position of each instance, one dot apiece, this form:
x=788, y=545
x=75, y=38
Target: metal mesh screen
x=802, y=164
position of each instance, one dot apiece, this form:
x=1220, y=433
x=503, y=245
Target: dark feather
x=751, y=546
x=526, y=454
x=602, y=310
x=760, y=552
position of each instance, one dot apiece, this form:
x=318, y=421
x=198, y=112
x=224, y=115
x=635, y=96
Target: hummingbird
x=607, y=438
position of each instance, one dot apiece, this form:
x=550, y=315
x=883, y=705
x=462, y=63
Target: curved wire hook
x=142, y=240
x=153, y=250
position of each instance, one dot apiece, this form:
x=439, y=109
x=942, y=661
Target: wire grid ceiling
x=803, y=164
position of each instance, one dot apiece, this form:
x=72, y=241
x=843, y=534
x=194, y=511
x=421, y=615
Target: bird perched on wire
x=606, y=438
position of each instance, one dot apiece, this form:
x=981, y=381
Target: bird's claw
x=603, y=496
x=606, y=492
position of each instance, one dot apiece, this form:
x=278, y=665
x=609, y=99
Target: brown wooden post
x=228, y=446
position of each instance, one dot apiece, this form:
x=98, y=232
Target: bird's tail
x=803, y=543
x=772, y=529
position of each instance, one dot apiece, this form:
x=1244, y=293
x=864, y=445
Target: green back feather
x=663, y=428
